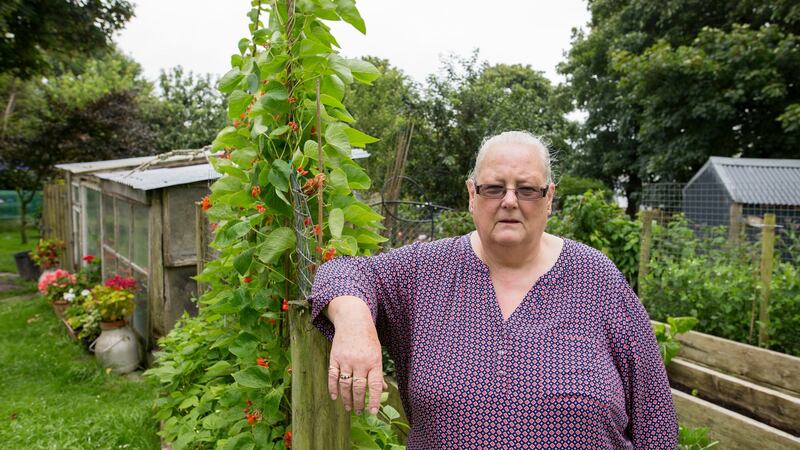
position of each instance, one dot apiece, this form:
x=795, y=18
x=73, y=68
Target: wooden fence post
x=767, y=251
x=646, y=243
x=317, y=421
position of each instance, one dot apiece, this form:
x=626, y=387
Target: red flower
x=261, y=209
x=329, y=254
x=292, y=100
x=285, y=305
x=256, y=191
x=119, y=283
x=313, y=131
x=88, y=258
x=317, y=230
x=287, y=439
x=205, y=203
x=293, y=125
x=307, y=221
x=262, y=362
x=302, y=172
x=251, y=418
x=236, y=123
x=214, y=226
x=247, y=279
x=241, y=116
x=249, y=403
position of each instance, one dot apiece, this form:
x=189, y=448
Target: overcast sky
x=200, y=35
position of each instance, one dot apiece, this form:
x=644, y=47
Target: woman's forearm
x=348, y=311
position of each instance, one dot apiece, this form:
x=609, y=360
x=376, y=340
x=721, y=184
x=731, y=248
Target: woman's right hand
x=356, y=362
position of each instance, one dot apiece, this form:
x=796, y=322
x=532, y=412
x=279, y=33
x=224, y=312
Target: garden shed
x=736, y=191
x=138, y=215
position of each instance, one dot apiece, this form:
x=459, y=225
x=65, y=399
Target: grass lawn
x=54, y=396
x=9, y=244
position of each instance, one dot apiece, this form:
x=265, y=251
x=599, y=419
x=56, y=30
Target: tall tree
x=187, y=112
x=668, y=83
x=473, y=100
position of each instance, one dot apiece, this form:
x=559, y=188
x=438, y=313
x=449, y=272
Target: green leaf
x=244, y=157
x=359, y=139
x=333, y=86
x=253, y=377
x=338, y=181
x=336, y=137
x=230, y=80
x=279, y=175
x=276, y=244
x=242, y=441
x=356, y=177
x=276, y=91
x=363, y=71
x=242, y=262
x=348, y=12
x=347, y=245
x=188, y=402
x=226, y=184
x=311, y=150
x=361, y=215
x=220, y=368
x=364, y=236
x=330, y=101
x=336, y=222
x=244, y=43
x=229, y=137
x=311, y=47
x=339, y=66
x=681, y=324
x=390, y=412
x=237, y=103
x=259, y=127
x=269, y=65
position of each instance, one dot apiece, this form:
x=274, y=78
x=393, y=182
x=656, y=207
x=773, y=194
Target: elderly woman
x=508, y=337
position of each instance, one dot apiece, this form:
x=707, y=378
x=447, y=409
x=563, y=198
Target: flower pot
x=59, y=306
x=26, y=268
x=117, y=347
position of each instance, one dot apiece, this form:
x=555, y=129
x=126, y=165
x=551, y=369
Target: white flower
x=85, y=292
x=69, y=296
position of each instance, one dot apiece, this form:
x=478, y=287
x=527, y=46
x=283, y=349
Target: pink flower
x=119, y=283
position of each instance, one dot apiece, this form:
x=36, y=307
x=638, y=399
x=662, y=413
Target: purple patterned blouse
x=576, y=366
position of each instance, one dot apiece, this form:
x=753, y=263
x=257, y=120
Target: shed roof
x=147, y=180
x=757, y=181
x=114, y=164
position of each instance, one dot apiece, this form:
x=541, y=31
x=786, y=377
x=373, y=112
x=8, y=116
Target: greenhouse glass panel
x=141, y=245
x=92, y=221
x=123, y=228
x=108, y=220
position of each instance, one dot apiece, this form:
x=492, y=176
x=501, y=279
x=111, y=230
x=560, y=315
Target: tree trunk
x=23, y=213
x=9, y=106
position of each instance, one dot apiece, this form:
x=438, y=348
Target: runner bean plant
x=225, y=375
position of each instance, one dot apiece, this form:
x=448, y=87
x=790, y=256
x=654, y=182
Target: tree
x=650, y=73
x=471, y=101
x=34, y=32
x=187, y=112
x=383, y=110
x=88, y=116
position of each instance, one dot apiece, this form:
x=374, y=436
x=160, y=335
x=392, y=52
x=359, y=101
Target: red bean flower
x=205, y=203
x=285, y=305
x=247, y=279
x=255, y=191
x=88, y=258
x=317, y=230
x=293, y=125
x=302, y=172
x=261, y=209
x=287, y=439
x=292, y=100
x=262, y=362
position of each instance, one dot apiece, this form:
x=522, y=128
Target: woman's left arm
x=652, y=419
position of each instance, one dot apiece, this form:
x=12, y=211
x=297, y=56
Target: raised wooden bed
x=748, y=396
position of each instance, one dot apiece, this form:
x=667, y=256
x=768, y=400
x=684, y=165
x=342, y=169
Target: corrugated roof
x=114, y=164
x=147, y=180
x=758, y=181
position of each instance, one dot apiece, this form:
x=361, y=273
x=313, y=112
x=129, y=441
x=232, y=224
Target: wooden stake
x=767, y=251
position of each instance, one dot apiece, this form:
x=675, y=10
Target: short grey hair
x=516, y=137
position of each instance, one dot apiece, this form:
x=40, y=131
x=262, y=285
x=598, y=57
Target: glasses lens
x=529, y=193
x=493, y=191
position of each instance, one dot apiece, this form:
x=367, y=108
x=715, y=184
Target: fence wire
x=305, y=262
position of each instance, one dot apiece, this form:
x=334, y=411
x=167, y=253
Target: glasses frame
x=480, y=187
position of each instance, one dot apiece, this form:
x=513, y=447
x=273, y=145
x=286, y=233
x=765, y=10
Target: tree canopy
x=34, y=32
x=666, y=84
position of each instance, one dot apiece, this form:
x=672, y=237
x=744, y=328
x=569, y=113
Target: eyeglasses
x=496, y=191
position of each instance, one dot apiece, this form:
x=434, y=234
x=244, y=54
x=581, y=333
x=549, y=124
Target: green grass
x=10, y=244
x=54, y=396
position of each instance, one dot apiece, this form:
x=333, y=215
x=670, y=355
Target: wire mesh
x=305, y=262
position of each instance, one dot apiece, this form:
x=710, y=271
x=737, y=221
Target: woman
x=508, y=337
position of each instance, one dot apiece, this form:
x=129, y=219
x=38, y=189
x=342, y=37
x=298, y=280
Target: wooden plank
x=317, y=421
x=767, y=405
x=733, y=431
x=155, y=279
x=773, y=369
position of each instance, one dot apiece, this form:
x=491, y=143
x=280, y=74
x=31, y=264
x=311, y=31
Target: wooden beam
x=733, y=431
x=155, y=277
x=773, y=369
x=317, y=421
x=767, y=405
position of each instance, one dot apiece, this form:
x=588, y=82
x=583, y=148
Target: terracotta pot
x=112, y=325
x=59, y=306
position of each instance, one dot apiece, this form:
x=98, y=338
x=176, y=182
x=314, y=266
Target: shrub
x=454, y=223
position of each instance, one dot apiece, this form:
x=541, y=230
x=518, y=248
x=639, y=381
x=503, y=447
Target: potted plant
x=58, y=286
x=82, y=321
x=116, y=347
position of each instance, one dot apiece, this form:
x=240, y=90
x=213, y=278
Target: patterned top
x=575, y=366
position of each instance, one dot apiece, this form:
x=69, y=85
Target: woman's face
x=508, y=221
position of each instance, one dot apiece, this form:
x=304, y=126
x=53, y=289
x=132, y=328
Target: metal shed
x=729, y=191
x=138, y=215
